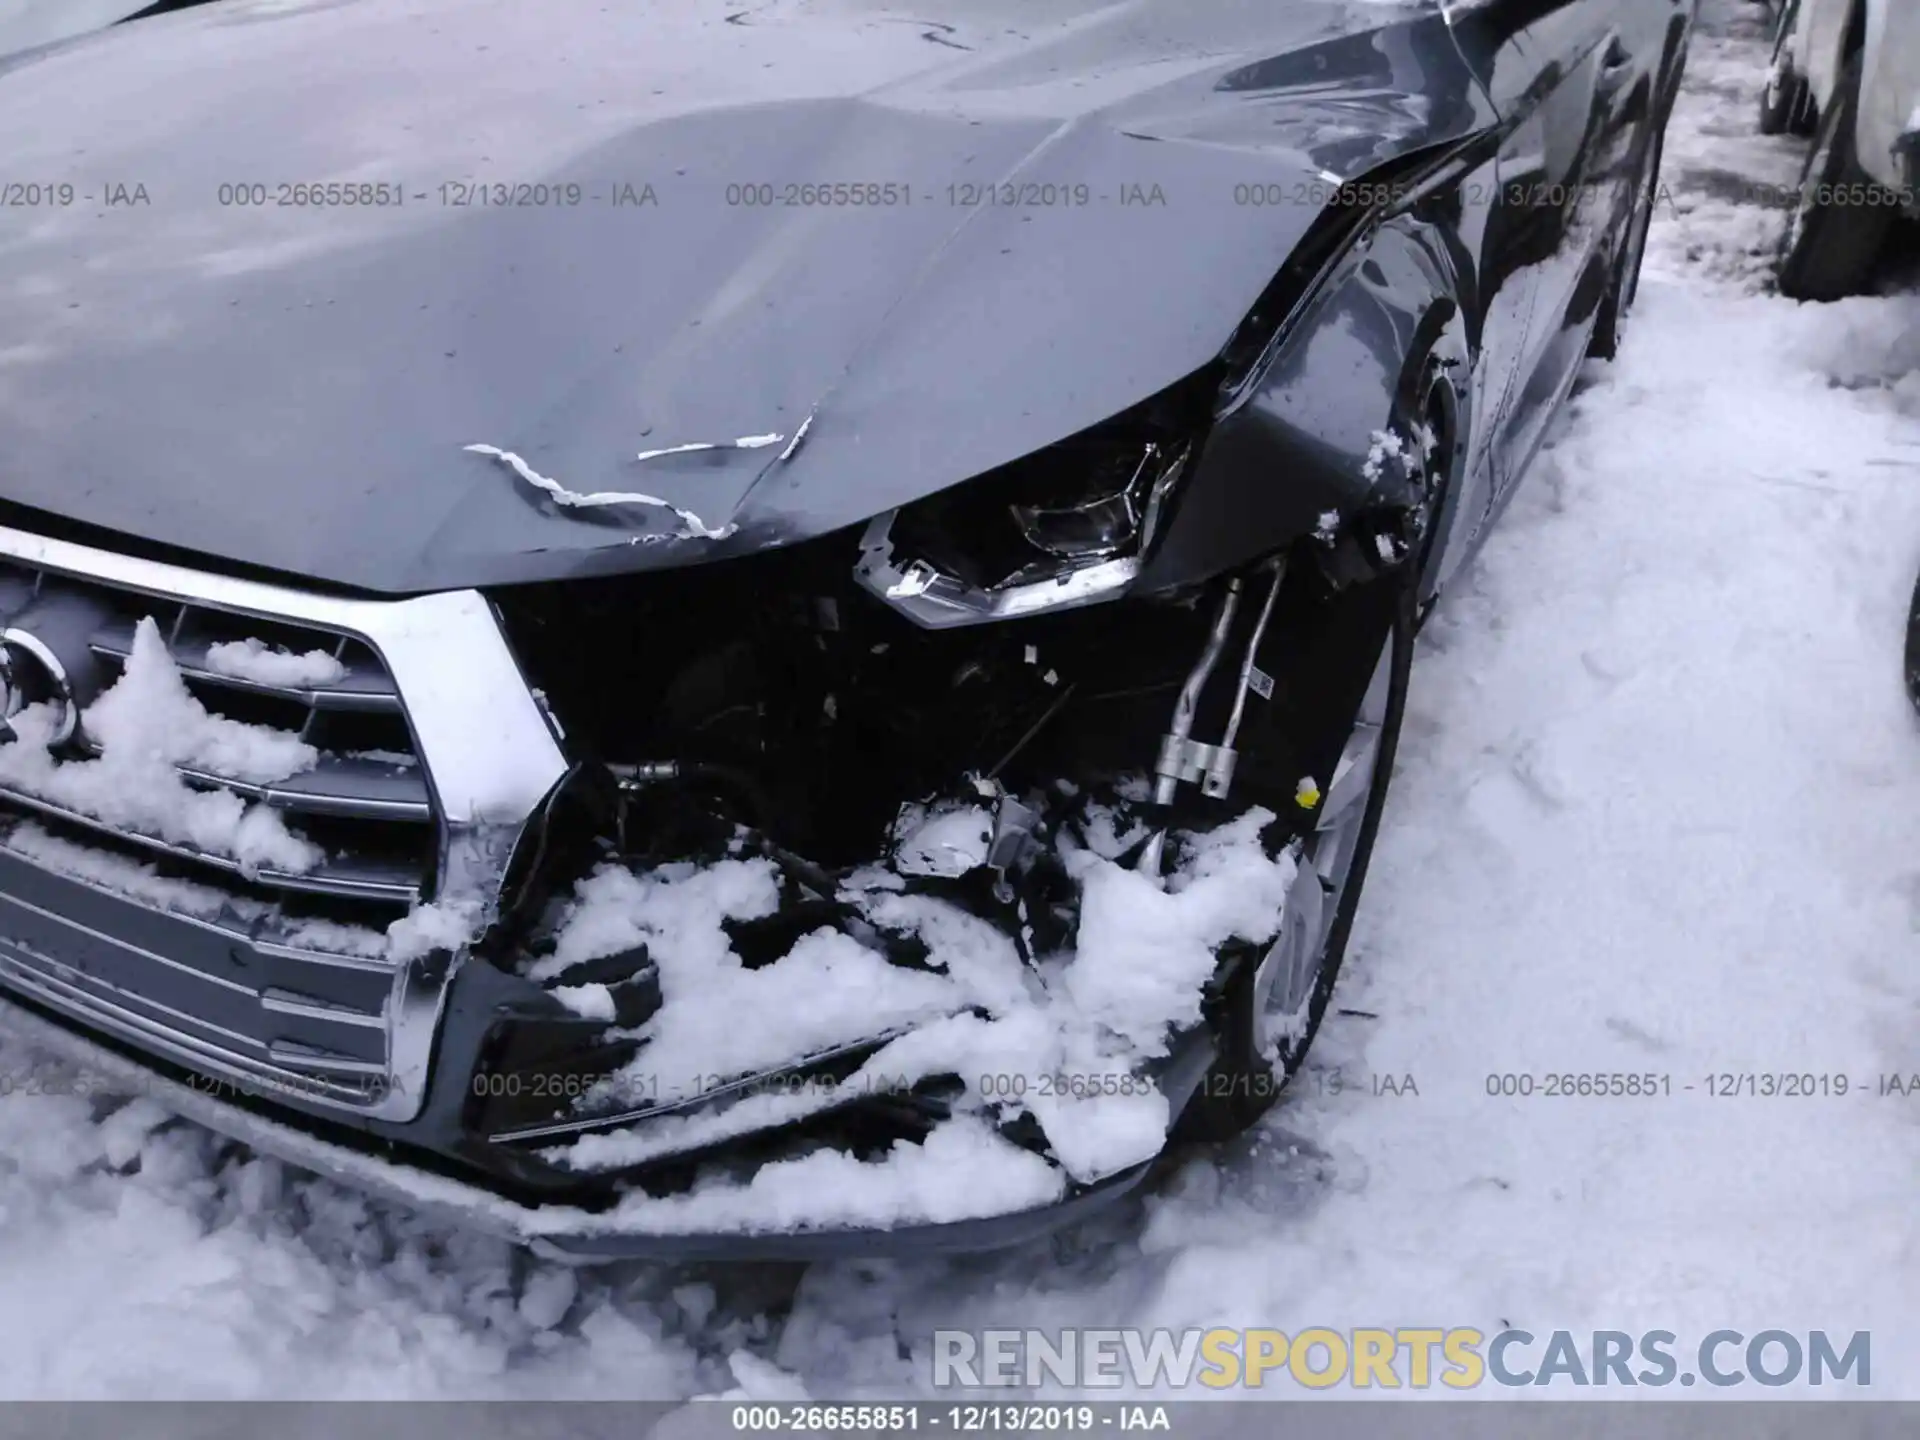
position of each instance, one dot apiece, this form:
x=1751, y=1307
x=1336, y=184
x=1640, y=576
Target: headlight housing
x=1065, y=526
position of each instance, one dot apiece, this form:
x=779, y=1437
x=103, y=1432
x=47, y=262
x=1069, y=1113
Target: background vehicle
x=981, y=547
x=1848, y=71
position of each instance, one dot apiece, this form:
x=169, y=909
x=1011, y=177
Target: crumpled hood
x=297, y=385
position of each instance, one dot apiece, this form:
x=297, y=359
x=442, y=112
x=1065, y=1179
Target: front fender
x=1301, y=440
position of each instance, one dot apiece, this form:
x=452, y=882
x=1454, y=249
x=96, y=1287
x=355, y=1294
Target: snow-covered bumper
x=555, y=1230
x=649, y=1079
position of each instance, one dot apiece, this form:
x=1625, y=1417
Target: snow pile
x=964, y=1170
x=263, y=664
x=444, y=925
x=147, y=723
x=1064, y=1042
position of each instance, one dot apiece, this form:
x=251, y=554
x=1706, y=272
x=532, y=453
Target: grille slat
x=152, y=971
x=282, y=1002
x=338, y=785
x=314, y=1060
x=353, y=877
x=364, y=686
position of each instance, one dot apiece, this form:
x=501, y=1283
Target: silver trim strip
x=321, y=881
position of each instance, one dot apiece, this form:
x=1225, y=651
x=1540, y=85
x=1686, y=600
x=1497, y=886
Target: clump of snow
x=266, y=665
x=590, y=1002
x=335, y=938
x=150, y=711
x=1386, y=445
x=717, y=1017
x=147, y=723
x=1144, y=953
x=963, y=1170
x=442, y=925
x=399, y=759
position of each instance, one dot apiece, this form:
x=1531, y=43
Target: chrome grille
x=377, y=829
x=432, y=753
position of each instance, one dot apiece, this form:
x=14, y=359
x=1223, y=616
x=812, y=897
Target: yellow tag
x=1306, y=794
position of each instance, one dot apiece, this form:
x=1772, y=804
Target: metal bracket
x=1191, y=762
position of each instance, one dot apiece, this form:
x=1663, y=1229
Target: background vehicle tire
x=1784, y=102
x=1246, y=1078
x=1608, y=329
x=1913, y=648
x=1781, y=99
x=1838, y=229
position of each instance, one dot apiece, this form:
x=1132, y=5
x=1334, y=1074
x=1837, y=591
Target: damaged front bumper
x=923, y=1118
x=556, y=1231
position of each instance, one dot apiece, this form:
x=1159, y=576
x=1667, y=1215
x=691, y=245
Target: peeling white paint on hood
x=695, y=527
x=745, y=442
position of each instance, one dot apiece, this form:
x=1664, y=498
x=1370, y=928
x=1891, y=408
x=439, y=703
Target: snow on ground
x=1657, y=810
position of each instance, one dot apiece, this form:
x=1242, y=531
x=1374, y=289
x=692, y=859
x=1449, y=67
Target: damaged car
x=768, y=628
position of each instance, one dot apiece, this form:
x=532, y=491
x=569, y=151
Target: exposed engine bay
x=774, y=708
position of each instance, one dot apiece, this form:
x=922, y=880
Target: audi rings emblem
x=31, y=674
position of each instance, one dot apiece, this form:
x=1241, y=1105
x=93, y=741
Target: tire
x=1255, y=1060
x=1614, y=310
x=1830, y=250
x=1913, y=648
x=1782, y=99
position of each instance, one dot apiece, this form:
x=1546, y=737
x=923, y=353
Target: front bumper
x=555, y=1231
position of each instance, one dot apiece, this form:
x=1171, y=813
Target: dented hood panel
x=294, y=384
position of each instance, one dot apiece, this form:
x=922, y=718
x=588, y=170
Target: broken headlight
x=1065, y=526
